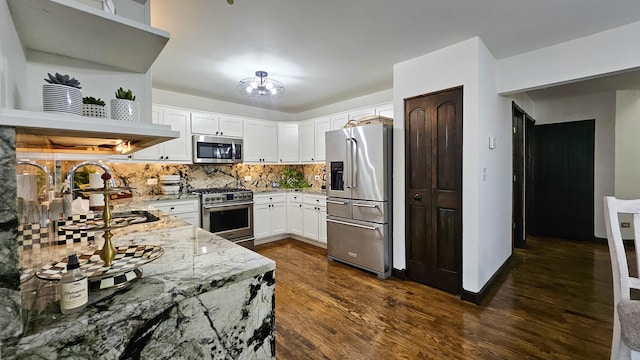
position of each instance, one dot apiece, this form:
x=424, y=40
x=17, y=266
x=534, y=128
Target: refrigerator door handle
x=336, y=202
x=365, y=205
x=351, y=224
x=347, y=171
x=354, y=162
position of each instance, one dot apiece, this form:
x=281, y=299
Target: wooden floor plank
x=554, y=301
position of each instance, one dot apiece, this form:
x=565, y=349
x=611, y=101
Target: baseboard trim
x=478, y=297
x=307, y=241
x=399, y=273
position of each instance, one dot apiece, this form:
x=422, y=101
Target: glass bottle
x=74, y=288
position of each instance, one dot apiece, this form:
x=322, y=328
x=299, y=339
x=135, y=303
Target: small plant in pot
x=124, y=106
x=93, y=107
x=62, y=93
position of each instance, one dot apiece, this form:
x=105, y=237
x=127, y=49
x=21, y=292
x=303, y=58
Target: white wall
x=627, y=149
x=12, y=63
x=485, y=246
x=606, y=52
x=602, y=108
x=165, y=97
x=379, y=97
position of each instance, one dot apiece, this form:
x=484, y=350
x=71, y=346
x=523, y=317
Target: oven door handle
x=206, y=207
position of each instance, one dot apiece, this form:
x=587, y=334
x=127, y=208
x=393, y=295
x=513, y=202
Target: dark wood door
x=564, y=173
x=518, y=232
x=433, y=152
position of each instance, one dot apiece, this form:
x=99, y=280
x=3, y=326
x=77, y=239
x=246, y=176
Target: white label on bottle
x=74, y=294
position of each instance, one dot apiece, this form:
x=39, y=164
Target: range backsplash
x=205, y=176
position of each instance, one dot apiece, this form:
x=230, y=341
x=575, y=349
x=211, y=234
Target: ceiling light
x=260, y=85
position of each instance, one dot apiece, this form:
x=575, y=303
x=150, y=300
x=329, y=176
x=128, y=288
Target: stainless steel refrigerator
x=359, y=187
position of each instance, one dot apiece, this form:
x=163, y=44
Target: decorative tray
x=98, y=224
x=124, y=267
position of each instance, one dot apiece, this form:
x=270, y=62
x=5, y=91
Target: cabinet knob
x=300, y=205
x=172, y=208
x=166, y=157
x=221, y=133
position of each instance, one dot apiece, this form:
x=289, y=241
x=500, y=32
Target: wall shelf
x=72, y=29
x=59, y=132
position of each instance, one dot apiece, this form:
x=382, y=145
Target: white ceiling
x=325, y=51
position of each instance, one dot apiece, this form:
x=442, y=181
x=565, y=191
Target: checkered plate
x=127, y=259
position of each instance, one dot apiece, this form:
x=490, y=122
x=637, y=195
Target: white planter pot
x=61, y=98
x=93, y=110
x=126, y=110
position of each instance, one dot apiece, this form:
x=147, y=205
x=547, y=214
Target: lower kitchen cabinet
x=294, y=214
x=315, y=218
x=185, y=209
x=269, y=215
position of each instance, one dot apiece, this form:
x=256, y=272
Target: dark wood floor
x=554, y=301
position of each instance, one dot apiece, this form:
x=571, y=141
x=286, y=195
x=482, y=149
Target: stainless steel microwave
x=216, y=150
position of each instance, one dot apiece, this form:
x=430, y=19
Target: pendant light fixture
x=260, y=86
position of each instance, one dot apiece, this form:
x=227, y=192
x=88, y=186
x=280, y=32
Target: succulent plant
x=127, y=95
x=63, y=80
x=92, y=100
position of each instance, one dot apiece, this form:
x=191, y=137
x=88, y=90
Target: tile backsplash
x=135, y=175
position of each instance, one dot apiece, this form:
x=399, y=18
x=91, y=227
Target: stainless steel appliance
x=359, y=186
x=228, y=213
x=216, y=150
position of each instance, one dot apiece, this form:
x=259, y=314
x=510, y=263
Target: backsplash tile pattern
x=206, y=176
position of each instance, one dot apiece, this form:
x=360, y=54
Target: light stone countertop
x=313, y=191
x=194, y=262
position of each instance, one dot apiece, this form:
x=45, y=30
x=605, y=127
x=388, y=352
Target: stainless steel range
x=228, y=213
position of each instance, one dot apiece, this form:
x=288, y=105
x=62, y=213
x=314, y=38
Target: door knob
x=417, y=197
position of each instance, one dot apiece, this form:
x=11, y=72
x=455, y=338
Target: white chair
x=626, y=312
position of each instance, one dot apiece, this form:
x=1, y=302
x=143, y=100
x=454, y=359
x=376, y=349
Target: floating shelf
x=59, y=132
x=72, y=29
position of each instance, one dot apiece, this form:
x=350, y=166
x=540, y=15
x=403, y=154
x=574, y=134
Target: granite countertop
x=313, y=191
x=161, y=197
x=194, y=261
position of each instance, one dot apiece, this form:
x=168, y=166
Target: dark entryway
x=433, y=152
x=564, y=180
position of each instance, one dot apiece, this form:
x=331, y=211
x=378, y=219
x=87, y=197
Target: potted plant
x=124, y=106
x=62, y=93
x=293, y=179
x=93, y=107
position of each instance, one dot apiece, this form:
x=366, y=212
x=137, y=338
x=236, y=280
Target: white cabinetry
x=360, y=113
x=269, y=215
x=260, y=141
x=315, y=217
x=385, y=110
x=322, y=125
x=185, y=209
x=288, y=142
x=339, y=120
x=217, y=125
x=178, y=150
x=307, y=141
x=294, y=214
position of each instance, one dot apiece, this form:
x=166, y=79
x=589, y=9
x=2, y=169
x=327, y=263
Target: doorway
x=564, y=180
x=433, y=189
x=523, y=140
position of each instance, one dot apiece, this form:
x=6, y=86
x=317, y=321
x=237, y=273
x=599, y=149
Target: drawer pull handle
x=366, y=205
x=355, y=225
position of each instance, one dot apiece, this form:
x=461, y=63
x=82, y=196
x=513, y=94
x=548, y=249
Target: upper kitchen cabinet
x=339, y=120
x=385, y=110
x=360, y=113
x=216, y=125
x=288, y=151
x=307, y=141
x=312, y=133
x=73, y=29
x=322, y=125
x=260, y=141
x=176, y=150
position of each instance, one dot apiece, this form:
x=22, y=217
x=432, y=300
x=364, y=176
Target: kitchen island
x=205, y=298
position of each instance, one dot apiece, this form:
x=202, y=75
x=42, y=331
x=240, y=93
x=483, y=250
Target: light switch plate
x=247, y=178
x=152, y=181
